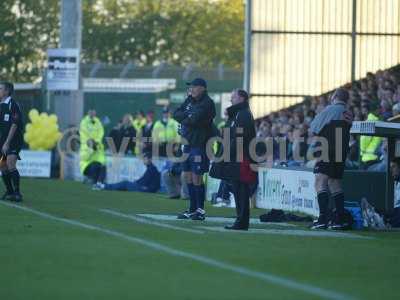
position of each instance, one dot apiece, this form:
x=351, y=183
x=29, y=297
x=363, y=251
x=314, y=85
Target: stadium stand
x=377, y=93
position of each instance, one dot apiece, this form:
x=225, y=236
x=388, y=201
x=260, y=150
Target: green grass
x=45, y=259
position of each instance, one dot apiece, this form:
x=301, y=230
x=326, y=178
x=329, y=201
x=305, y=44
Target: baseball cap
x=165, y=110
x=197, y=82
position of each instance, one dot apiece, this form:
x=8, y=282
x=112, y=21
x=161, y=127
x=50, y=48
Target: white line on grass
x=149, y=222
x=264, y=276
x=220, y=220
x=291, y=232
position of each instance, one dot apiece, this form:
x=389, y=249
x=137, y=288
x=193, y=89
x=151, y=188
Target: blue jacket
x=150, y=179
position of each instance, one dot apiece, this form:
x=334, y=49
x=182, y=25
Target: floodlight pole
x=68, y=105
x=247, y=45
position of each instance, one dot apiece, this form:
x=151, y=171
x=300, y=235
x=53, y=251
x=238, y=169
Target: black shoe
x=199, y=215
x=319, y=224
x=185, y=215
x=338, y=226
x=17, y=197
x=174, y=197
x=339, y=223
x=236, y=227
x=7, y=196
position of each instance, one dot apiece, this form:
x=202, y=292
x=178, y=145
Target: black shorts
x=338, y=147
x=331, y=169
x=14, y=149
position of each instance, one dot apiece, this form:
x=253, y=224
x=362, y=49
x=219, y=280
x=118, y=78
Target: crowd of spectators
x=375, y=97
x=137, y=135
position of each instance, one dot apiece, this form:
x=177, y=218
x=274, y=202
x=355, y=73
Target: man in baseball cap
x=196, y=117
x=198, y=82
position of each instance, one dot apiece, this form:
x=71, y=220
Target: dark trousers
x=96, y=172
x=241, y=191
x=223, y=190
x=125, y=186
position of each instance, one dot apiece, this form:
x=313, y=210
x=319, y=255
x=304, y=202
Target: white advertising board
x=289, y=190
x=34, y=163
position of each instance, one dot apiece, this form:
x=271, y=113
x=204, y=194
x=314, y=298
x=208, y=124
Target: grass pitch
x=67, y=245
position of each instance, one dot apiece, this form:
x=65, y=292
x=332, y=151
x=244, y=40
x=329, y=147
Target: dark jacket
x=241, y=125
x=128, y=132
x=196, y=119
x=241, y=118
x=150, y=179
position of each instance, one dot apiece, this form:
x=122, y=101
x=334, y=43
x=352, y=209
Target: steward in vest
x=92, y=155
x=165, y=131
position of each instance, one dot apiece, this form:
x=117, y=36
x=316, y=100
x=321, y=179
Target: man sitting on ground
x=148, y=183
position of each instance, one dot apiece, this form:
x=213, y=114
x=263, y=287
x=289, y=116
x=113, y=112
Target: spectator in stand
x=386, y=110
x=115, y=136
x=352, y=159
x=381, y=164
x=396, y=95
x=165, y=131
x=299, y=146
x=147, y=131
x=383, y=87
x=127, y=134
x=138, y=123
x=369, y=144
x=396, y=109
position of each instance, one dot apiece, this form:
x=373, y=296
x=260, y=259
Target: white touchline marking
x=264, y=276
x=149, y=222
x=220, y=220
x=291, y=232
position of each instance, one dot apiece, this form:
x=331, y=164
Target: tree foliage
x=27, y=29
x=146, y=32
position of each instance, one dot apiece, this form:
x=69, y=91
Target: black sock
x=323, y=202
x=15, y=180
x=339, y=203
x=7, y=181
x=192, y=197
x=200, y=195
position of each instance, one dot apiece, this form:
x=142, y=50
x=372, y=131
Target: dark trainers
x=185, y=215
x=319, y=224
x=17, y=197
x=7, y=196
x=199, y=215
x=341, y=222
x=236, y=227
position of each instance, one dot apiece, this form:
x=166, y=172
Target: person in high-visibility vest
x=165, y=131
x=92, y=155
x=369, y=144
x=139, y=123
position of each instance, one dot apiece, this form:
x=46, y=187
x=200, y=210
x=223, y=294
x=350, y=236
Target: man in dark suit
x=239, y=168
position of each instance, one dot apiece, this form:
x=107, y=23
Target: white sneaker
x=98, y=186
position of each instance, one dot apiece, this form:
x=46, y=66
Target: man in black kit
x=333, y=125
x=11, y=139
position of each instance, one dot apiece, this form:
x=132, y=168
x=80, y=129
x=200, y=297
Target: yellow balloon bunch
x=42, y=133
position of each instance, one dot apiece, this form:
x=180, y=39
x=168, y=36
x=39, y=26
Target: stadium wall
x=304, y=48
x=279, y=188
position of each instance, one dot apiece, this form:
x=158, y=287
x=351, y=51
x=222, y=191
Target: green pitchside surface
x=68, y=242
